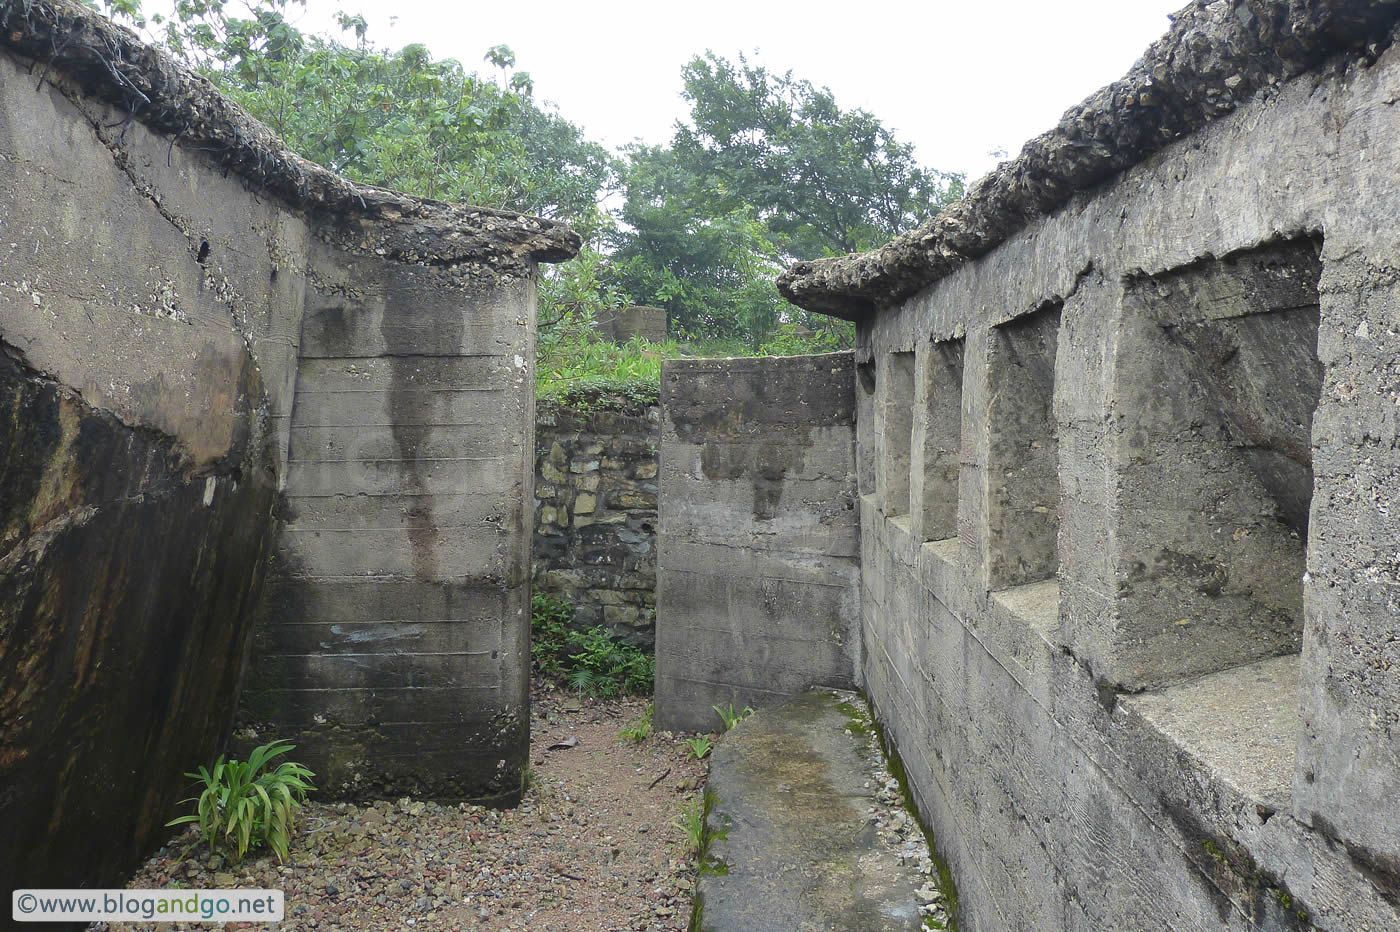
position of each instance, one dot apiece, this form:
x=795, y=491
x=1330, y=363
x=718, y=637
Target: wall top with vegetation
x=113, y=64
x=1216, y=57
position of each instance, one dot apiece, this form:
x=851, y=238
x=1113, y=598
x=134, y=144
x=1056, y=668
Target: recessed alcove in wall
x=938, y=440
x=866, y=458
x=1218, y=378
x=897, y=429
x=1023, y=491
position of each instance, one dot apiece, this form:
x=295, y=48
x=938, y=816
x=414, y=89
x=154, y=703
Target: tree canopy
x=767, y=169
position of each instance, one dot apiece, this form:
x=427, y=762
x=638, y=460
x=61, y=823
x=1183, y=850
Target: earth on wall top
x=111, y=63
x=1216, y=56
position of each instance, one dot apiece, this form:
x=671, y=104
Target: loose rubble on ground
x=901, y=831
x=594, y=845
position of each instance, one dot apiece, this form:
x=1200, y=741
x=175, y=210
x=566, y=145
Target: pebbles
x=898, y=829
x=591, y=846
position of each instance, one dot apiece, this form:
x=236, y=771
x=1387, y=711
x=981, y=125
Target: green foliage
x=243, y=805
x=793, y=339
x=583, y=365
x=692, y=822
x=823, y=180
x=641, y=729
x=400, y=119
x=729, y=716
x=699, y=746
x=768, y=170
x=595, y=661
x=713, y=271
x=695, y=822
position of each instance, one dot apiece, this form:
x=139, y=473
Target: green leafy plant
x=695, y=822
x=699, y=746
x=729, y=716
x=692, y=822
x=594, y=662
x=244, y=805
x=641, y=729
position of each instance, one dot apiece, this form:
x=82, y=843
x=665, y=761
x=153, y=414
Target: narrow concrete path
x=795, y=823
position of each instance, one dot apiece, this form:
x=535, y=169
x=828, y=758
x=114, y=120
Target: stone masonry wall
x=167, y=273
x=1130, y=470
x=595, y=514
x=757, y=578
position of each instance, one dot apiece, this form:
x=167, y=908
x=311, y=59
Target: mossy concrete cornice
x=71, y=43
x=1216, y=56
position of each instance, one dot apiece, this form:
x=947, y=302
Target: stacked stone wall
x=596, y=514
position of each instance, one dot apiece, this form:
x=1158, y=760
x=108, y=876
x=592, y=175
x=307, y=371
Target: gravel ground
x=594, y=845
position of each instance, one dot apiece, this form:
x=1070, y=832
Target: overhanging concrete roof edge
x=111, y=63
x=1216, y=56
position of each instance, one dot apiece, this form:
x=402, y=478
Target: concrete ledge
x=1240, y=724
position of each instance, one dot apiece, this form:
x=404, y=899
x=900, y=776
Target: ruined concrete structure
x=1100, y=513
x=218, y=358
x=757, y=578
x=1129, y=470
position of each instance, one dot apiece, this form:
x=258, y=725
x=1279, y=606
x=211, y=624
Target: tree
x=825, y=181
x=769, y=170
x=400, y=119
x=712, y=271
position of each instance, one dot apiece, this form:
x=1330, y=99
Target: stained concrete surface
x=757, y=566
x=797, y=848
x=1240, y=723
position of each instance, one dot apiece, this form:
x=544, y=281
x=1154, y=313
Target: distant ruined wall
x=1129, y=433
x=595, y=515
x=171, y=280
x=757, y=577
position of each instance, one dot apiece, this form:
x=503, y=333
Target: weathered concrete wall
x=1178, y=467
x=622, y=324
x=158, y=253
x=595, y=513
x=757, y=575
x=399, y=604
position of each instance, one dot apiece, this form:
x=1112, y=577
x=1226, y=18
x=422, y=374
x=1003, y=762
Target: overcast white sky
x=957, y=79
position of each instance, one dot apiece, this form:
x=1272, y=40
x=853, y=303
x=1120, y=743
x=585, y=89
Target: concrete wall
x=757, y=574
x=622, y=324
x=1148, y=677
x=166, y=272
x=595, y=512
x=399, y=602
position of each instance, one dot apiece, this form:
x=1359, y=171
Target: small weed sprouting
x=594, y=662
x=641, y=729
x=692, y=822
x=695, y=820
x=699, y=746
x=729, y=716
x=243, y=806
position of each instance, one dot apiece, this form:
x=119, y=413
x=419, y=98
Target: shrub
x=641, y=729
x=593, y=661
x=243, y=806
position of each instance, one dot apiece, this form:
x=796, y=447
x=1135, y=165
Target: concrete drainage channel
x=807, y=828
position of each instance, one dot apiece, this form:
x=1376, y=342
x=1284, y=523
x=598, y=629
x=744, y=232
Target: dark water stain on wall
x=126, y=591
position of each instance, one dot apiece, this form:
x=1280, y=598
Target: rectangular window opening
x=940, y=448
x=1219, y=378
x=1023, y=490
x=898, y=432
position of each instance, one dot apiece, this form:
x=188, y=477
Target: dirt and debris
x=594, y=845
